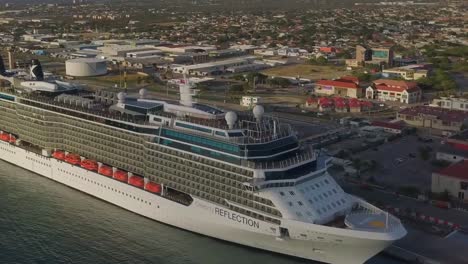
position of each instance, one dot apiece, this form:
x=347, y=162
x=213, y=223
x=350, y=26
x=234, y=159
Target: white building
x=185, y=49
x=410, y=72
x=391, y=90
x=453, y=179
x=213, y=68
x=250, y=101
x=145, y=53
x=451, y=103
x=122, y=50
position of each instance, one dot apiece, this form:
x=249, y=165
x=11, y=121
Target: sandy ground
x=313, y=72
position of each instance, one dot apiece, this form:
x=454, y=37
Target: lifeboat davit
x=106, y=171
x=74, y=159
x=137, y=181
x=153, y=187
x=12, y=139
x=121, y=176
x=5, y=137
x=60, y=155
x=89, y=165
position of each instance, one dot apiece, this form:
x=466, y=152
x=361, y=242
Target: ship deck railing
x=303, y=156
x=364, y=216
x=268, y=130
x=89, y=114
x=254, y=133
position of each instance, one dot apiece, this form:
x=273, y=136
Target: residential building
x=383, y=55
x=328, y=50
x=453, y=179
x=391, y=90
x=390, y=127
x=339, y=87
x=455, y=148
x=226, y=53
x=363, y=54
x=451, y=103
x=352, y=63
x=250, y=101
x=338, y=104
x=434, y=117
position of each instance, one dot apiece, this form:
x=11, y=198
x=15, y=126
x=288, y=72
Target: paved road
x=387, y=198
x=451, y=249
x=395, y=165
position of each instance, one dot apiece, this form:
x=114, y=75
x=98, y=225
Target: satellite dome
x=143, y=93
x=258, y=112
x=231, y=119
x=121, y=96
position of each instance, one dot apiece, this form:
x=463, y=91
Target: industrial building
x=122, y=50
x=145, y=54
x=434, y=117
x=215, y=67
x=85, y=67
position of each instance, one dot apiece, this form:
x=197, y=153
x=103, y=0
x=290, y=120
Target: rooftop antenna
x=125, y=77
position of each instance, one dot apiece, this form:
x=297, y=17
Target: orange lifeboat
x=60, y=155
x=5, y=137
x=121, y=176
x=106, y=171
x=73, y=159
x=89, y=165
x=137, y=181
x=153, y=187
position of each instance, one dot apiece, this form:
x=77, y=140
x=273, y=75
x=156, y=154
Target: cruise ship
x=239, y=177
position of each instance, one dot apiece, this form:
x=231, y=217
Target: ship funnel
x=36, y=70
x=2, y=66
x=258, y=112
x=231, y=119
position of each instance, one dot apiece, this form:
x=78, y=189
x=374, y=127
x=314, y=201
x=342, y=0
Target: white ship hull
x=309, y=241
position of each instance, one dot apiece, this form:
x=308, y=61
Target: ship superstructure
x=240, y=177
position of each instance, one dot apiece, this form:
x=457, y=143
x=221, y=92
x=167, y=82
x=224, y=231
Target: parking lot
x=399, y=162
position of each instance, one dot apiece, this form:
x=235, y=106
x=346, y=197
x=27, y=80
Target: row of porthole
x=104, y=186
x=8, y=150
x=42, y=163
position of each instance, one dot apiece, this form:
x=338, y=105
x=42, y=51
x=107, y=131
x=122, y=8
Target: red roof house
x=394, y=90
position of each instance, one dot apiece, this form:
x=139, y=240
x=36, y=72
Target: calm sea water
x=42, y=221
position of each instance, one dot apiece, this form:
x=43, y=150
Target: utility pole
x=120, y=75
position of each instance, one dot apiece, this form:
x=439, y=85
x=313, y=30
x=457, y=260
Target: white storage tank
x=85, y=67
